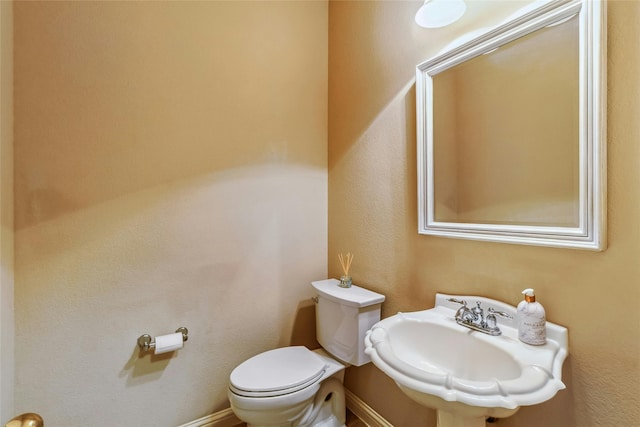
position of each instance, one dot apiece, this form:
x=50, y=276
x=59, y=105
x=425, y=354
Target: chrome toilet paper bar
x=146, y=343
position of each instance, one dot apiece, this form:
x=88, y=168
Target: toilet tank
x=343, y=316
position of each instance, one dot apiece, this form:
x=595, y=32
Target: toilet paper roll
x=167, y=343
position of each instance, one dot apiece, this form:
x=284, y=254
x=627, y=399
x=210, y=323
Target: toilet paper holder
x=146, y=343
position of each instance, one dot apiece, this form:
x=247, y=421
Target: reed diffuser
x=345, y=261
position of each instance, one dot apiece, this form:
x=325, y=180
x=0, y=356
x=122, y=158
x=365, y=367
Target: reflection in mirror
x=511, y=133
x=535, y=76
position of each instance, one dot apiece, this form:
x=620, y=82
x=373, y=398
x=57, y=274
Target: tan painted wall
x=170, y=171
x=373, y=50
x=6, y=212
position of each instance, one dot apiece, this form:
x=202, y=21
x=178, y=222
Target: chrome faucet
x=475, y=319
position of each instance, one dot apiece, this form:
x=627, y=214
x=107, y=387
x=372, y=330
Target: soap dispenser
x=532, y=325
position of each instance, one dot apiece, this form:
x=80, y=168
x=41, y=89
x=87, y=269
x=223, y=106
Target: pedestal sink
x=466, y=375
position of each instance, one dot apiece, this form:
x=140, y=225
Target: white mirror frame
x=591, y=231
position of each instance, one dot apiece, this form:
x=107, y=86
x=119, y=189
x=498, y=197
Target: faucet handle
x=458, y=301
x=500, y=313
x=463, y=314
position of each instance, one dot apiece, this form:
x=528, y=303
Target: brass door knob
x=26, y=420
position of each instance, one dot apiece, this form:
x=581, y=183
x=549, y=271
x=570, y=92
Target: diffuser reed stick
x=345, y=261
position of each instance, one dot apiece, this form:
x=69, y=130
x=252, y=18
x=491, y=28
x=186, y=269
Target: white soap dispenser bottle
x=532, y=325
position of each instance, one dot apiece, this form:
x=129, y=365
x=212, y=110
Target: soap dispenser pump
x=532, y=324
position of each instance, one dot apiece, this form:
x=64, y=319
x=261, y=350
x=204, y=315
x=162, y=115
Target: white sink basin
x=467, y=375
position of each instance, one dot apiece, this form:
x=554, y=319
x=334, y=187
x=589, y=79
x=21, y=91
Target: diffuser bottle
x=532, y=325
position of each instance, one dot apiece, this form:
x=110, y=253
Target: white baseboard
x=363, y=411
x=226, y=417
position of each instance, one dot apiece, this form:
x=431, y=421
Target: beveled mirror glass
x=511, y=131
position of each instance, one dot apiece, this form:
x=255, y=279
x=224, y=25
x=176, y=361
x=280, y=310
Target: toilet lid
x=275, y=372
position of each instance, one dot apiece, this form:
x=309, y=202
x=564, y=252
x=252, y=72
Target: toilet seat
x=277, y=372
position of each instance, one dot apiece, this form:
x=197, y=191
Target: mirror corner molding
x=511, y=132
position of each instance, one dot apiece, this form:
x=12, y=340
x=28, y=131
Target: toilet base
x=330, y=422
x=326, y=410
x=329, y=409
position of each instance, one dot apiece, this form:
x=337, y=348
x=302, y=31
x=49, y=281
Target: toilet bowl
x=298, y=387
x=289, y=386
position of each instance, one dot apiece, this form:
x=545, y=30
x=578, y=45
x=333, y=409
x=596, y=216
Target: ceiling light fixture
x=439, y=13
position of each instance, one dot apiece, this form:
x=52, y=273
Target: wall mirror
x=512, y=131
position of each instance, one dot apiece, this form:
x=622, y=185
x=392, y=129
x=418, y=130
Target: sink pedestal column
x=451, y=419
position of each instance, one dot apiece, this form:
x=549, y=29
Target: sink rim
x=540, y=366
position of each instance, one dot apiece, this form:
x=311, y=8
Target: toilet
x=297, y=387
